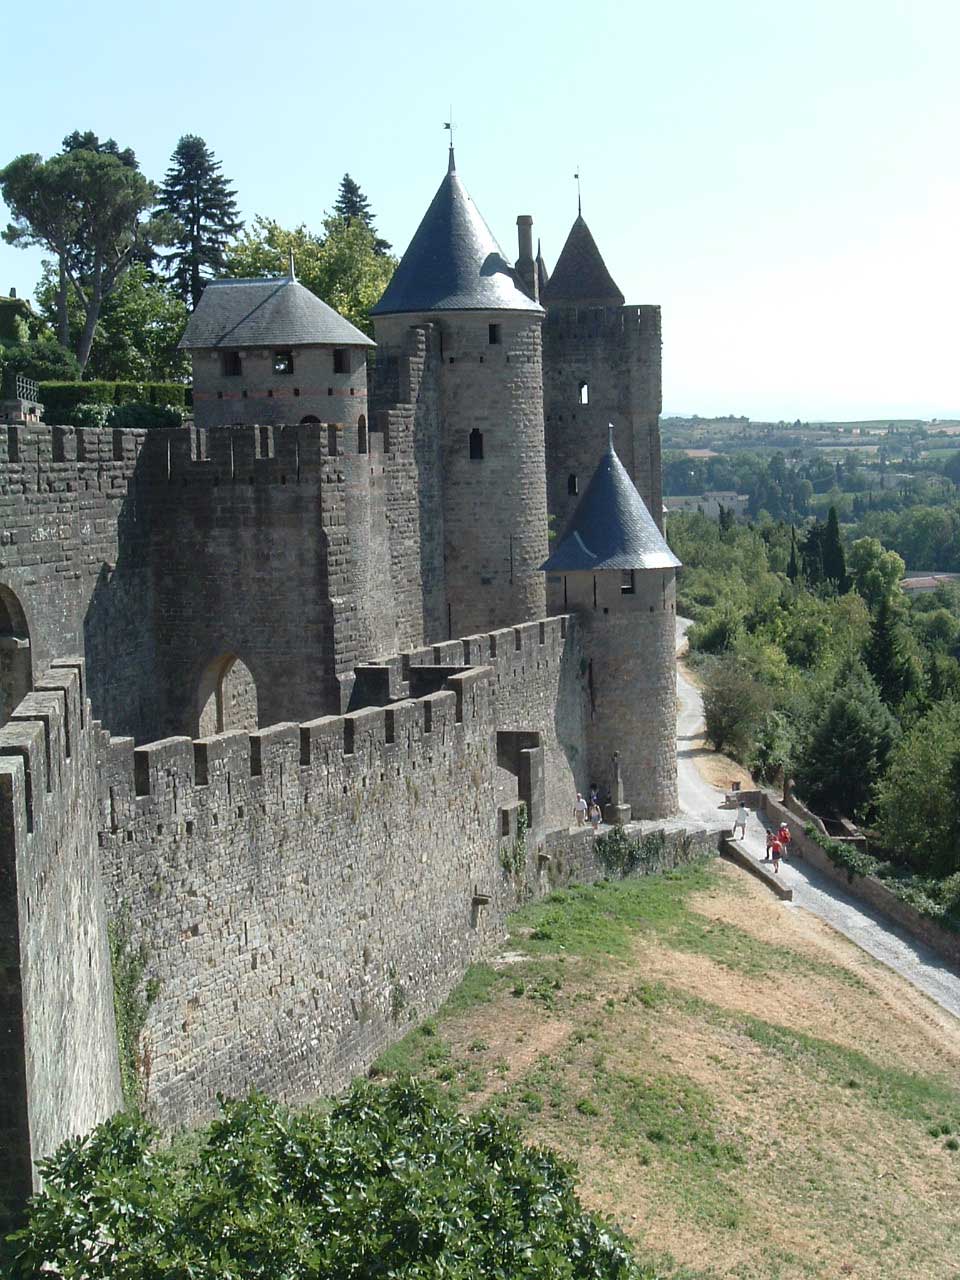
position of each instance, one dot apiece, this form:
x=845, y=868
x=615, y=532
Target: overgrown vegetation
x=132, y=998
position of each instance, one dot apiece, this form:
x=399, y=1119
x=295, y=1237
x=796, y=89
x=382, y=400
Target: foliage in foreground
x=392, y=1182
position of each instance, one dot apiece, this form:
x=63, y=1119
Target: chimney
x=525, y=266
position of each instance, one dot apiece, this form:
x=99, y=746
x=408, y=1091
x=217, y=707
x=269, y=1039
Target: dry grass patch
x=743, y=1091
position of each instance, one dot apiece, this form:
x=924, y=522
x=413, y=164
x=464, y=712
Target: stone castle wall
x=58, y=1054
x=304, y=890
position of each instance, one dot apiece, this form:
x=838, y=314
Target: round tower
x=489, y=379
x=617, y=574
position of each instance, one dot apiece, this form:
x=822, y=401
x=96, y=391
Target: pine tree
x=353, y=206
x=203, y=208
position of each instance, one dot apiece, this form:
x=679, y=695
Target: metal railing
x=26, y=388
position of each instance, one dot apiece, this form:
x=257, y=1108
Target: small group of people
x=588, y=812
x=777, y=844
x=777, y=841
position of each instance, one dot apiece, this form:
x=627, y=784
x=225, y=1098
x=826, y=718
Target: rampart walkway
x=811, y=891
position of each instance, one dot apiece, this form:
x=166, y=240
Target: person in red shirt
x=784, y=836
x=776, y=852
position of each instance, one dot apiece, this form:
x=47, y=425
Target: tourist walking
x=595, y=817
x=580, y=810
x=784, y=836
x=769, y=843
x=741, y=821
x=776, y=852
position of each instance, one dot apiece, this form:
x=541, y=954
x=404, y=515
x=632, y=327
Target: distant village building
x=709, y=503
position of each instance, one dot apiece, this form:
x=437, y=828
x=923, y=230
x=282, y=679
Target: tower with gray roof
x=484, y=334
x=616, y=572
x=601, y=365
x=269, y=351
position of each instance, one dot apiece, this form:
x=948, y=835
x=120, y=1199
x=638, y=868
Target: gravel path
x=811, y=891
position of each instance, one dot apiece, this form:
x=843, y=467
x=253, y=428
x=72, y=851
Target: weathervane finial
x=577, y=176
x=451, y=163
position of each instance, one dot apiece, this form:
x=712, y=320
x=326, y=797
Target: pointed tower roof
x=581, y=274
x=453, y=263
x=611, y=527
x=278, y=311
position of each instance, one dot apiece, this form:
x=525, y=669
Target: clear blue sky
x=780, y=177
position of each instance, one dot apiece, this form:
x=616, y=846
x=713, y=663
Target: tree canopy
x=392, y=1182
x=341, y=265
x=353, y=206
x=89, y=207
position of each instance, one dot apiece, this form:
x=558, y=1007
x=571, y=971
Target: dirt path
x=701, y=797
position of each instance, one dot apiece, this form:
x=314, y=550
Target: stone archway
x=226, y=697
x=16, y=666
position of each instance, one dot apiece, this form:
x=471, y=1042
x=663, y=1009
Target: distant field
x=747, y=1093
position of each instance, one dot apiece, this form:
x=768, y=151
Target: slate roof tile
x=278, y=312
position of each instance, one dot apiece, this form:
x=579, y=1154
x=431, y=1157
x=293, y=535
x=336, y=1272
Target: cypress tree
x=887, y=657
x=834, y=561
x=793, y=567
x=203, y=209
x=353, y=206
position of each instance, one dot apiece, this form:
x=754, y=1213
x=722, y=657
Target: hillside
x=742, y=1089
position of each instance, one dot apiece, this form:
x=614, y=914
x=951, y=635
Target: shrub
x=391, y=1182
x=139, y=415
x=88, y=415
x=39, y=359
x=734, y=704
x=60, y=399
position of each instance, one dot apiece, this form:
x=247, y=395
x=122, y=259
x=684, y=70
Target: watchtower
x=487, y=369
x=617, y=574
x=269, y=351
x=601, y=366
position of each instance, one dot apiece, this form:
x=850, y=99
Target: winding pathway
x=811, y=891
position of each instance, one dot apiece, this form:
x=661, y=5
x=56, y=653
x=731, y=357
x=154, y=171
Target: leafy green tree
x=393, y=1182
x=203, y=209
x=353, y=206
x=889, y=657
x=876, y=573
x=734, y=705
x=341, y=266
x=88, y=207
x=140, y=325
x=793, y=566
x=917, y=797
x=838, y=766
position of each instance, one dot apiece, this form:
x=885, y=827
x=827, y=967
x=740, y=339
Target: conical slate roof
x=581, y=274
x=611, y=527
x=453, y=263
x=279, y=312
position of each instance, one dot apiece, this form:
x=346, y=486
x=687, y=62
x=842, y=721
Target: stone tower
x=269, y=351
x=617, y=574
x=601, y=366
x=485, y=335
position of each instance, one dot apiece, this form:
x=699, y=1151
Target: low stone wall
x=572, y=854
x=730, y=849
x=867, y=889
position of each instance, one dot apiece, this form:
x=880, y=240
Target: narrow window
x=584, y=393
x=493, y=332
x=264, y=442
x=572, y=486
x=230, y=364
x=361, y=434
x=476, y=445
x=332, y=449
x=283, y=362
x=341, y=361
x=628, y=583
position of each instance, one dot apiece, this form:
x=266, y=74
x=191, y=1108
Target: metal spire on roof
x=577, y=176
x=292, y=273
x=451, y=163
